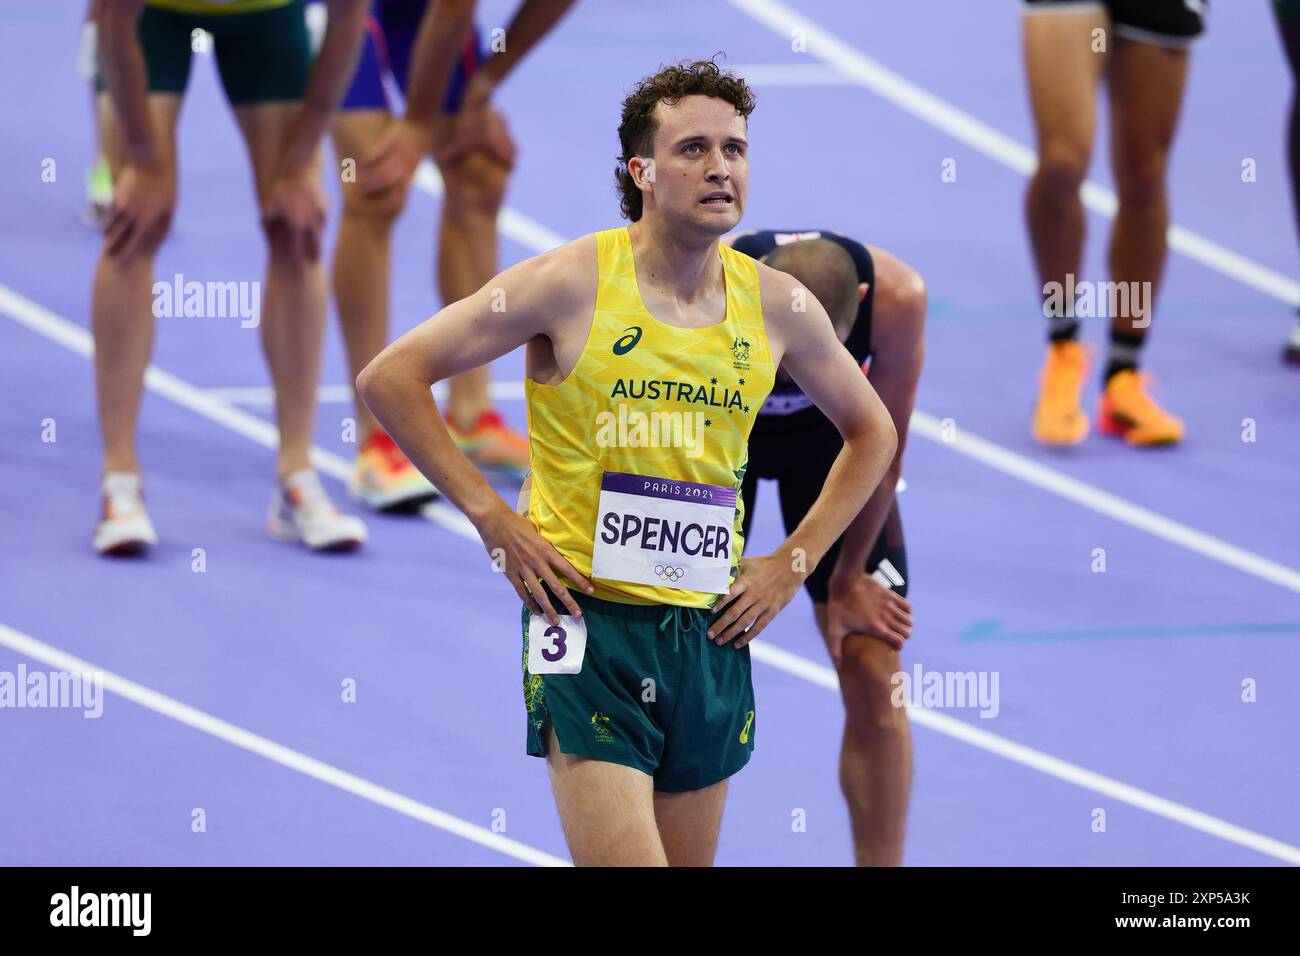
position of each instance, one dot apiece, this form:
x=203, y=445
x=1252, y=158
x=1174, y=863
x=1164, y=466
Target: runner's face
x=701, y=166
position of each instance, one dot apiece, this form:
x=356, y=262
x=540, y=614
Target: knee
x=1062, y=167
x=475, y=187
x=372, y=213
x=867, y=685
x=1140, y=178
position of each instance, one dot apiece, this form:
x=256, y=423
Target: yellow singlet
x=648, y=401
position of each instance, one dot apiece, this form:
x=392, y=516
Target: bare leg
x=1146, y=92
x=607, y=810
x=876, y=755
x=121, y=309
x=689, y=824
x=362, y=258
x=293, y=303
x=1063, y=72
x=467, y=258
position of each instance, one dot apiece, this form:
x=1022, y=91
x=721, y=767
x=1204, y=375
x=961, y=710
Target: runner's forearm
x=122, y=64
x=532, y=21
x=862, y=533
x=330, y=76
x=857, y=470
x=399, y=398
x=437, y=47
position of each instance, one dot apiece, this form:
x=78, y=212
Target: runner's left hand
x=764, y=587
x=388, y=168
x=294, y=214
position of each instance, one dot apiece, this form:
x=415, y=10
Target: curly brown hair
x=636, y=132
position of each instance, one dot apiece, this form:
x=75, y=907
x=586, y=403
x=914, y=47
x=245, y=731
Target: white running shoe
x=301, y=511
x=125, y=528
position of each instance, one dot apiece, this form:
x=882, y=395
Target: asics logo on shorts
x=744, y=732
x=666, y=572
x=626, y=343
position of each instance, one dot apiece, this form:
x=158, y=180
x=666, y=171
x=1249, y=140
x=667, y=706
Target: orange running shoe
x=1128, y=411
x=1059, y=418
x=492, y=445
x=385, y=479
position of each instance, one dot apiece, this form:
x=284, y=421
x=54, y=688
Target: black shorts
x=263, y=56
x=798, y=460
x=1173, y=23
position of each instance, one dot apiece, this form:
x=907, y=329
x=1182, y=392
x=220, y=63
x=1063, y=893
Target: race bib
x=556, y=648
x=656, y=531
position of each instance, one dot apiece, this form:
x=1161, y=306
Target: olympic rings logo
x=666, y=572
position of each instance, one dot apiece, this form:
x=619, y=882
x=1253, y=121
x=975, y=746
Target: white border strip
x=277, y=753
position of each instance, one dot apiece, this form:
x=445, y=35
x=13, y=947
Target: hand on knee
x=141, y=213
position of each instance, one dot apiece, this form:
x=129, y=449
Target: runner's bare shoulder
x=557, y=285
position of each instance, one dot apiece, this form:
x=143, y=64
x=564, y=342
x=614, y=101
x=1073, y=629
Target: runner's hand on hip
x=764, y=587
x=529, y=561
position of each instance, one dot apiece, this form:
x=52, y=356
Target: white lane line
x=196, y=400
x=263, y=396
x=72, y=336
x=1103, y=502
x=982, y=137
x=204, y=722
x=824, y=676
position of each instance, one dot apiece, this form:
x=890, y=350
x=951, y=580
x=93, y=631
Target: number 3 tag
x=556, y=648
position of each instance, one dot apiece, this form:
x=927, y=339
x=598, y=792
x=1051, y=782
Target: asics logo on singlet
x=667, y=572
x=626, y=343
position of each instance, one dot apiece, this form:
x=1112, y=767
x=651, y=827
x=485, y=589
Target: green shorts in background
x=653, y=693
x=263, y=56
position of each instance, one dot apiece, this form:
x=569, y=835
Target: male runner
x=1287, y=13
x=281, y=103
x=877, y=305
x=649, y=350
x=1141, y=45
x=433, y=53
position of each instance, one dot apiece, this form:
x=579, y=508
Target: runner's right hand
x=862, y=605
x=143, y=199
x=526, y=558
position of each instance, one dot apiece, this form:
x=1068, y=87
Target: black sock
x=1062, y=328
x=1124, y=350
